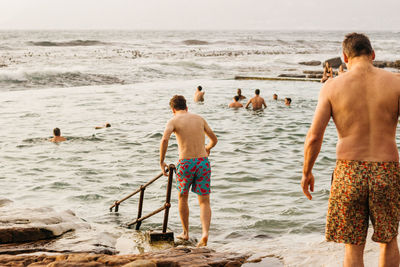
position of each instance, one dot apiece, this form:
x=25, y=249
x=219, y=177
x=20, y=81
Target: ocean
x=76, y=80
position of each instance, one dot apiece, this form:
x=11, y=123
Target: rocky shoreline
x=174, y=257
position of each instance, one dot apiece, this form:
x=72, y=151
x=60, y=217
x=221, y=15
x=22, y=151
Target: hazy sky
x=201, y=15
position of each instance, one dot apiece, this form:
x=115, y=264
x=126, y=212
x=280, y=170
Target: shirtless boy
x=257, y=101
x=57, y=136
x=236, y=103
x=364, y=104
x=193, y=169
x=199, y=95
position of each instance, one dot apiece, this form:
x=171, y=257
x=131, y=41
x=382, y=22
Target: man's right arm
x=312, y=145
x=169, y=128
x=212, y=136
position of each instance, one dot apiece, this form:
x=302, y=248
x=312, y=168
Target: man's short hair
x=257, y=91
x=199, y=88
x=178, y=102
x=56, y=131
x=236, y=98
x=356, y=44
x=108, y=125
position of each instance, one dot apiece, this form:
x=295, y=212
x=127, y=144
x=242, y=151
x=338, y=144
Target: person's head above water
x=356, y=45
x=275, y=96
x=237, y=98
x=108, y=125
x=178, y=102
x=57, y=132
x=288, y=101
x=257, y=91
x=239, y=92
x=199, y=88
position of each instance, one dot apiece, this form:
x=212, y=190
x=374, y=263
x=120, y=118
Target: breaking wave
x=11, y=80
x=68, y=43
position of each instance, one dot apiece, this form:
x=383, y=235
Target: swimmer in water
x=107, y=125
x=57, y=136
x=257, y=101
x=236, y=103
x=199, y=95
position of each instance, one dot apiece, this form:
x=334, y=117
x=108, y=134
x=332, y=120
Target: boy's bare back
x=190, y=132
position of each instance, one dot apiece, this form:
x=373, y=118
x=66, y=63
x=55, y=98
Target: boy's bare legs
x=389, y=254
x=353, y=256
x=205, y=217
x=184, y=214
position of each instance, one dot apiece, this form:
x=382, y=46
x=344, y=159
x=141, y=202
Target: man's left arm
x=313, y=142
x=265, y=105
x=169, y=129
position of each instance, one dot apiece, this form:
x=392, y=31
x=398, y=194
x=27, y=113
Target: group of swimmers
x=257, y=101
x=57, y=137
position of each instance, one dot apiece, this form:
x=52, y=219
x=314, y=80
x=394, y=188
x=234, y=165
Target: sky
x=367, y=15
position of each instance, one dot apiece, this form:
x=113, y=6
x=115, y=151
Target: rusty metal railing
x=141, y=189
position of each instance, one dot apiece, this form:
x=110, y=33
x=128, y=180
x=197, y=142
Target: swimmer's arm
x=169, y=128
x=248, y=103
x=313, y=142
x=265, y=105
x=213, y=138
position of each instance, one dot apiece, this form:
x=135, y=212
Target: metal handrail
x=141, y=189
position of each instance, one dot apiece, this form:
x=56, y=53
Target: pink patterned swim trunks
x=193, y=173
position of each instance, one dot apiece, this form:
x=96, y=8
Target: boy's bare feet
x=183, y=236
x=203, y=242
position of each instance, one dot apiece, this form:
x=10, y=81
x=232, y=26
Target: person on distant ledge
x=57, y=136
x=275, y=96
x=257, y=101
x=328, y=72
x=288, y=101
x=239, y=94
x=236, y=103
x=199, y=95
x=107, y=125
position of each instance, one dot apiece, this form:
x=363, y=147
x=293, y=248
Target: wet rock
x=183, y=257
x=334, y=62
x=4, y=201
x=141, y=263
x=292, y=75
x=310, y=63
x=26, y=225
x=313, y=72
x=3, y=65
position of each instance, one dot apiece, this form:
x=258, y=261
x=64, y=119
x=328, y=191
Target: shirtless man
x=364, y=105
x=236, y=103
x=193, y=169
x=239, y=94
x=199, y=95
x=57, y=136
x=257, y=101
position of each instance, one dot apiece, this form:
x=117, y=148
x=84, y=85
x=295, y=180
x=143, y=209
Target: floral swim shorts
x=363, y=190
x=195, y=173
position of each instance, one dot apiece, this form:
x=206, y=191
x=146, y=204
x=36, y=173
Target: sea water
x=79, y=80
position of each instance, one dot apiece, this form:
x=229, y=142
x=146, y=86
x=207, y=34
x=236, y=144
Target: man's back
x=365, y=107
x=189, y=130
x=257, y=102
x=199, y=96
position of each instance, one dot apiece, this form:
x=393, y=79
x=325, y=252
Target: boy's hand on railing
x=164, y=168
